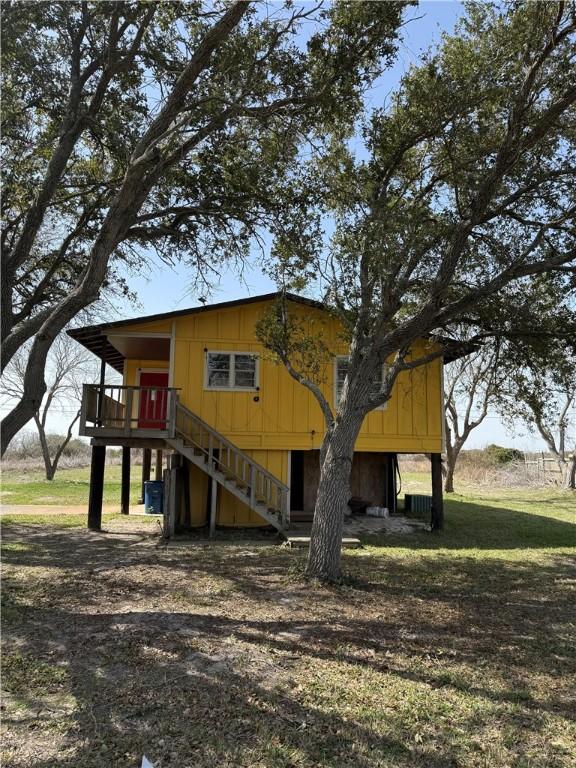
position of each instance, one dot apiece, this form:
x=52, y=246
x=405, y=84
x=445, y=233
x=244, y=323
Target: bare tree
x=543, y=396
x=471, y=386
x=68, y=367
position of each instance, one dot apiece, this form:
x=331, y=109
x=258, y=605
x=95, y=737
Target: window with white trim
x=231, y=370
x=341, y=369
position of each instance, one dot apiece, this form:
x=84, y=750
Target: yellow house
x=242, y=435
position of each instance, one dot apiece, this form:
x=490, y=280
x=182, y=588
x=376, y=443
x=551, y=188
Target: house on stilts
x=241, y=436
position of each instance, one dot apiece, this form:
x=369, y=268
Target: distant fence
x=542, y=468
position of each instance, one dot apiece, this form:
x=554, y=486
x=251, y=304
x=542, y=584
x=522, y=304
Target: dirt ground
x=220, y=655
x=58, y=511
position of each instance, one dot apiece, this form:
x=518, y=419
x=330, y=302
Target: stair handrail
x=219, y=436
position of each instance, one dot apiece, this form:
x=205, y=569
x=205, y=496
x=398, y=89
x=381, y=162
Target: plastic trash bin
x=153, y=497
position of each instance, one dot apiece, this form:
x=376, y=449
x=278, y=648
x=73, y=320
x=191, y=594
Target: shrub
x=500, y=455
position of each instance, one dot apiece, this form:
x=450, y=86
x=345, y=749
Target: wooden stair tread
x=196, y=452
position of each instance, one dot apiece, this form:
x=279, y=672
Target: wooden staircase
x=229, y=466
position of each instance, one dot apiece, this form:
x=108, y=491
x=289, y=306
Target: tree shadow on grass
x=160, y=660
x=142, y=685
x=144, y=688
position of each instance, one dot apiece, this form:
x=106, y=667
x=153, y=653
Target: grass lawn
x=451, y=650
x=69, y=488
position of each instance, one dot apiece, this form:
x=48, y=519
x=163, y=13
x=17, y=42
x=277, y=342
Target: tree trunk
x=450, y=464
x=449, y=479
x=49, y=468
x=332, y=501
x=141, y=175
x=51, y=465
x=452, y=454
x=562, y=464
x=570, y=475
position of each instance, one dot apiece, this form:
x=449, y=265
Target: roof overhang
x=115, y=347
x=96, y=341
x=110, y=343
x=152, y=346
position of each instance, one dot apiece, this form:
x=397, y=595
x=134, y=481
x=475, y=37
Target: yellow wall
x=230, y=511
x=286, y=416
x=131, y=368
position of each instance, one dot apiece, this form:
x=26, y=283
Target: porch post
x=100, y=406
x=391, y=464
x=213, y=500
x=125, y=491
x=158, y=471
x=96, y=487
x=437, y=515
x=146, y=462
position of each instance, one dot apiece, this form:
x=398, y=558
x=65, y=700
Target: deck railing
x=116, y=411
x=122, y=410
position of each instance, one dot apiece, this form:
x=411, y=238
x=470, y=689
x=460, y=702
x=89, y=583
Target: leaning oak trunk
x=449, y=479
x=49, y=467
x=145, y=167
x=332, y=501
x=452, y=455
x=570, y=474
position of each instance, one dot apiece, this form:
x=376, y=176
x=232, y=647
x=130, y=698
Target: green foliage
x=206, y=207
x=456, y=210
x=295, y=338
x=172, y=128
x=499, y=455
x=460, y=207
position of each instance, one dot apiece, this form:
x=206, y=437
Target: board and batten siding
x=286, y=415
x=133, y=367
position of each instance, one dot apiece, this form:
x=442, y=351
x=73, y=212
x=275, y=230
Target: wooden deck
x=147, y=417
x=119, y=415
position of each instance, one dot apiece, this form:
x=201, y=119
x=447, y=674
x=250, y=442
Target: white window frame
x=382, y=407
x=232, y=353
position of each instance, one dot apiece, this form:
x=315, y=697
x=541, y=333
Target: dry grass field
x=439, y=650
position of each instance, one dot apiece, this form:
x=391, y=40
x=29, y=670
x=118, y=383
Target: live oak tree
x=465, y=188
x=540, y=389
x=135, y=128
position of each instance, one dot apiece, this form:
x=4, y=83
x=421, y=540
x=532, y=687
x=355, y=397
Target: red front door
x=153, y=400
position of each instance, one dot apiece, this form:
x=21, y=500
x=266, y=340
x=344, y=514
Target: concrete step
x=301, y=542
